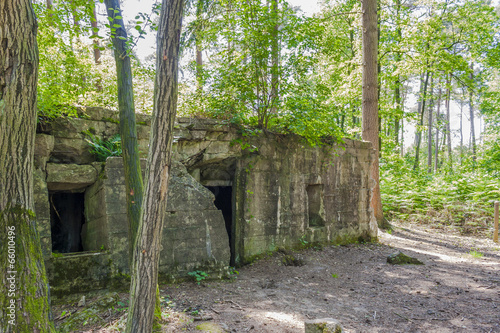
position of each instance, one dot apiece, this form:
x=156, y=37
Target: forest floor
x=456, y=290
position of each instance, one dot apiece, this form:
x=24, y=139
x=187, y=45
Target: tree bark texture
x=24, y=293
x=461, y=130
x=95, y=31
x=128, y=131
x=50, y=11
x=448, y=119
x=471, y=109
x=274, y=98
x=397, y=86
x=429, y=127
x=199, y=54
x=436, y=149
x=418, y=132
x=147, y=248
x=370, y=126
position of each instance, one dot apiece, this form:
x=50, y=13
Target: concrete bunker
x=226, y=204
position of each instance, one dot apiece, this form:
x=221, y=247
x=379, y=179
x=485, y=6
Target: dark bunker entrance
x=224, y=203
x=66, y=221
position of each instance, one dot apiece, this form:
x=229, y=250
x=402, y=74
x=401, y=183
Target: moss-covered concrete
x=78, y=273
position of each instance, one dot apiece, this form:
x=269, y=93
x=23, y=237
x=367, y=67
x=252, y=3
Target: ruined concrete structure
x=231, y=198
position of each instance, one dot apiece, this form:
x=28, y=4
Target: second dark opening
x=223, y=202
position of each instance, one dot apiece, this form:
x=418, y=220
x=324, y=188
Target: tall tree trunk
x=274, y=98
x=402, y=145
x=379, y=89
x=471, y=108
x=429, y=127
x=50, y=11
x=199, y=54
x=448, y=119
x=436, y=150
x=24, y=292
x=397, y=117
x=418, y=132
x=419, y=102
x=229, y=9
x=370, y=97
x=147, y=249
x=128, y=131
x=397, y=87
x=95, y=31
x=74, y=10
x=461, y=130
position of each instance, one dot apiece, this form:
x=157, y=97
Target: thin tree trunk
x=370, y=97
x=472, y=129
x=95, y=31
x=402, y=145
x=148, y=245
x=419, y=101
x=128, y=131
x=24, y=291
x=397, y=118
x=448, y=125
x=397, y=88
x=199, y=54
x=436, y=150
x=429, y=127
x=50, y=11
x=74, y=10
x=275, y=59
x=461, y=131
x=418, y=133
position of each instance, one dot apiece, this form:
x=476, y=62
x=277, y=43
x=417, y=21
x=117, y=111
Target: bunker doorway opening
x=66, y=220
x=224, y=203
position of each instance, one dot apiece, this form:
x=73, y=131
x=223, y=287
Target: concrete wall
x=274, y=208
x=284, y=192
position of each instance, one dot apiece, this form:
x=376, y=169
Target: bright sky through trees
x=147, y=46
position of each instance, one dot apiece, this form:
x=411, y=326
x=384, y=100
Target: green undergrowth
x=463, y=200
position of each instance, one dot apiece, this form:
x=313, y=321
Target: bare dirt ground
x=456, y=290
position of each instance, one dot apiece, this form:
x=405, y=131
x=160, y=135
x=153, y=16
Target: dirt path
x=455, y=291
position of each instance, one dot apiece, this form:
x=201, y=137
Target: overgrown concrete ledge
x=232, y=197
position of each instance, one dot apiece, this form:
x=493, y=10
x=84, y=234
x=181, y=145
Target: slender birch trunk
x=418, y=133
x=448, y=126
x=429, y=127
x=436, y=149
x=471, y=109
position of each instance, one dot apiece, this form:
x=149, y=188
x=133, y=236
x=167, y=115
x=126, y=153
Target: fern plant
x=102, y=149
